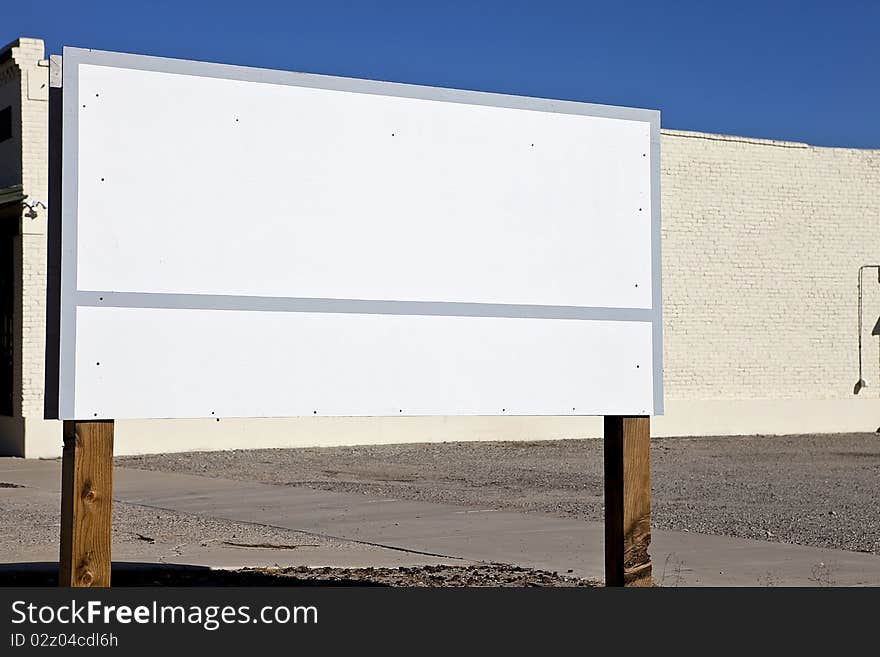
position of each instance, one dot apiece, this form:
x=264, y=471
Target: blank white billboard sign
x=240, y=242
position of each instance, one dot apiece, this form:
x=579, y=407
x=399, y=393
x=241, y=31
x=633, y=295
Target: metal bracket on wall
x=55, y=69
x=861, y=382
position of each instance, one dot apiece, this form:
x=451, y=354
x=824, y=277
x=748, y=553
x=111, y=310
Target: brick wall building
x=762, y=242
x=24, y=95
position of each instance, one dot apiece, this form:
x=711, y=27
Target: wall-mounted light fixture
x=32, y=208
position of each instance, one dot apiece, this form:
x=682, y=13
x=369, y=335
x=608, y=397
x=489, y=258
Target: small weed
x=822, y=574
x=675, y=578
x=768, y=579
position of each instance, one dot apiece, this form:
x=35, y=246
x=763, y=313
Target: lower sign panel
x=173, y=363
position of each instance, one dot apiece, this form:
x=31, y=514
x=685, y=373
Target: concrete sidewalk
x=430, y=532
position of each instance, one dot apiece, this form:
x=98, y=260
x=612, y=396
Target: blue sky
x=802, y=71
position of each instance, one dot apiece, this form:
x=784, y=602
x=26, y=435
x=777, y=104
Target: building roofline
x=6, y=51
x=758, y=141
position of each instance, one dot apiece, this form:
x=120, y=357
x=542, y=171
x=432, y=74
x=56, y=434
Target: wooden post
x=627, y=501
x=86, y=491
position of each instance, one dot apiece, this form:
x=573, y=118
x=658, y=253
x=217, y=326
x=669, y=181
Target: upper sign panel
x=203, y=185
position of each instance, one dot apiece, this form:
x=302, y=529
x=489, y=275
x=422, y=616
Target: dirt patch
x=488, y=575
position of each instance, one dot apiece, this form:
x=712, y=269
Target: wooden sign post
x=86, y=492
x=627, y=501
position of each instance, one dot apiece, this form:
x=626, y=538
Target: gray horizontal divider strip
x=357, y=306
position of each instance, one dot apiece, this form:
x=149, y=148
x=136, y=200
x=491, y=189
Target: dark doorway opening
x=8, y=233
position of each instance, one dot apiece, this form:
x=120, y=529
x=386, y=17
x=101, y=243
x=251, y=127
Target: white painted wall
x=762, y=242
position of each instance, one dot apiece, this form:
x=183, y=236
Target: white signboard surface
x=246, y=243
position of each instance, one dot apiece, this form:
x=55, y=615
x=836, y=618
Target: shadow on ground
x=150, y=574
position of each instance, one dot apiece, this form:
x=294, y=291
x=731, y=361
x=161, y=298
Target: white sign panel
x=240, y=242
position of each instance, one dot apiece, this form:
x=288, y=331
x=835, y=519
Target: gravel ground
x=818, y=490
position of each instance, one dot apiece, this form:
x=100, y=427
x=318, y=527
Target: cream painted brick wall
x=762, y=241
x=35, y=179
x=29, y=58
x=33, y=325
